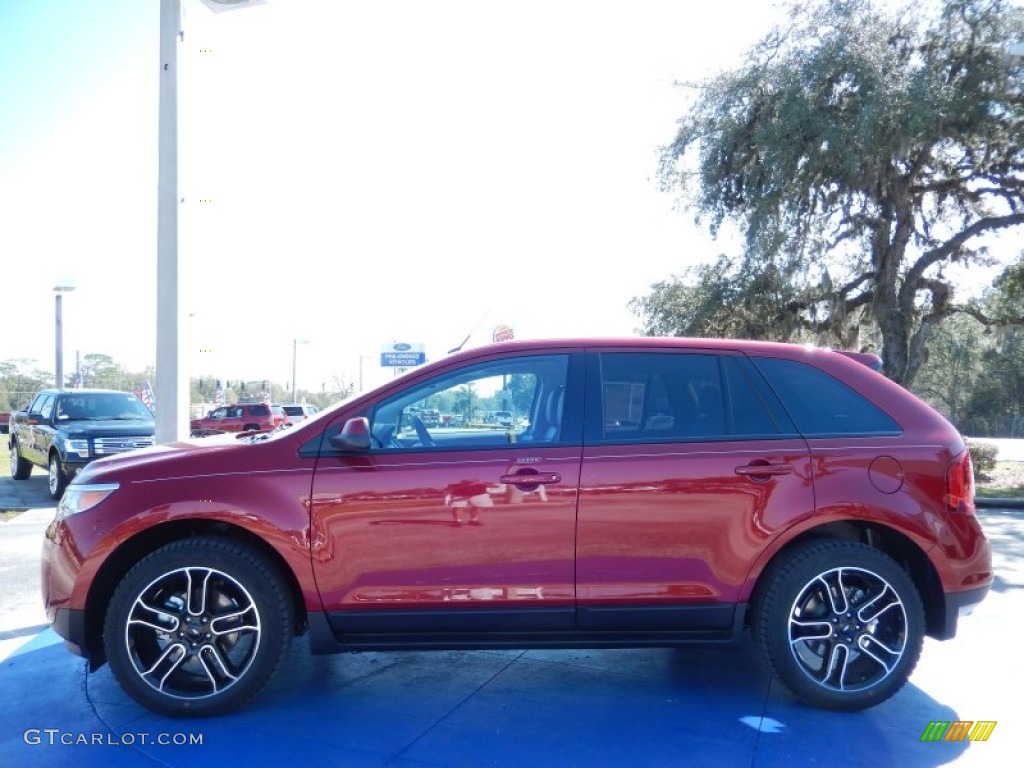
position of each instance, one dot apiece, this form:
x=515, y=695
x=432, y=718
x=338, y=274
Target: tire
x=840, y=623
x=251, y=427
x=201, y=650
x=20, y=468
x=57, y=480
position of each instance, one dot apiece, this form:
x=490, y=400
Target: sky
x=351, y=174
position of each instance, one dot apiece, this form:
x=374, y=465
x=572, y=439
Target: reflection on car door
x=462, y=530
x=687, y=467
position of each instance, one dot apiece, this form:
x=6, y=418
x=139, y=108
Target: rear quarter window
x=821, y=405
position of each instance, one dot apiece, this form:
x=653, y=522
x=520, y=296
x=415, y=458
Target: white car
x=299, y=412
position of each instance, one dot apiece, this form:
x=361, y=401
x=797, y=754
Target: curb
x=1006, y=503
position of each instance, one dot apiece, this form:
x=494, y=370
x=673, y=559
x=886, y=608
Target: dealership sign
x=502, y=333
x=400, y=355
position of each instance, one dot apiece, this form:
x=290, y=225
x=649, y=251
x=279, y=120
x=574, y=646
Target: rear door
x=689, y=469
x=456, y=529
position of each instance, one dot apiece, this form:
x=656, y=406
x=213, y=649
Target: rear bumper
x=69, y=623
x=960, y=604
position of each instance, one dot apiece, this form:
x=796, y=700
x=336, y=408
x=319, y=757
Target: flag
x=218, y=398
x=148, y=398
x=78, y=379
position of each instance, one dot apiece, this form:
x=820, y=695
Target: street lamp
x=64, y=285
x=295, y=349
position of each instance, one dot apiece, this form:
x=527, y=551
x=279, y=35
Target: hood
x=182, y=458
x=112, y=428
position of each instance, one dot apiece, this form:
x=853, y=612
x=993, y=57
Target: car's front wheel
x=198, y=627
x=841, y=624
x=57, y=479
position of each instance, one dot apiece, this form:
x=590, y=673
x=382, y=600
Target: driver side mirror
x=354, y=436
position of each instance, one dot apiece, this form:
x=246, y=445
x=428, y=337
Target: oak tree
x=861, y=151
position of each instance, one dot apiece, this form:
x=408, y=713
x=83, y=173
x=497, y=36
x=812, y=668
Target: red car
x=653, y=492
x=242, y=417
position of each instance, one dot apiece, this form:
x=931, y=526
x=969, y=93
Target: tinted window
x=672, y=396
x=46, y=409
x=530, y=389
x=748, y=412
x=822, y=405
x=102, y=407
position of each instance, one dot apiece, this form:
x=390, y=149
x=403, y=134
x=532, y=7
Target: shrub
x=983, y=456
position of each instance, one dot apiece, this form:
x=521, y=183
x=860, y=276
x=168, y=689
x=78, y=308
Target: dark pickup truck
x=65, y=430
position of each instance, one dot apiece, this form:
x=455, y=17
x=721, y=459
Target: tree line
x=20, y=379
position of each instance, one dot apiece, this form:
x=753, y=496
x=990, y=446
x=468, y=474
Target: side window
x=822, y=405
x=748, y=413
x=218, y=413
x=46, y=409
x=664, y=397
x=451, y=411
x=37, y=404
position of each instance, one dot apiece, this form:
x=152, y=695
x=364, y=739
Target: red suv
x=243, y=417
x=652, y=492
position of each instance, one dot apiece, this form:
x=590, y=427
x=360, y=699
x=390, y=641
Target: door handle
x=764, y=470
x=531, y=478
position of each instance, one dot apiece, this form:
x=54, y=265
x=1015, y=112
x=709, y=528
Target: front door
x=467, y=528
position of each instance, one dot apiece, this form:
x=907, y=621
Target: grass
x=1006, y=481
x=999, y=492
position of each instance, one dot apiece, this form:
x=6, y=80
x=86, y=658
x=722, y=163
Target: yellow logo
x=958, y=730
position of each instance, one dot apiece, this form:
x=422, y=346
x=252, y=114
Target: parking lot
x=696, y=706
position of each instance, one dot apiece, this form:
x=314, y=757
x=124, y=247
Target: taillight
x=960, y=484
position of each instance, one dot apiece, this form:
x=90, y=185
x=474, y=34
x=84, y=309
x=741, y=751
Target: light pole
x=171, y=377
x=64, y=285
x=295, y=355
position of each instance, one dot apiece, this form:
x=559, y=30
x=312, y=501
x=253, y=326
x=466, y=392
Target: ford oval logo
x=401, y=347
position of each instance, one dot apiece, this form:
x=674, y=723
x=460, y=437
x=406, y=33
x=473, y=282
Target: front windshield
x=105, y=406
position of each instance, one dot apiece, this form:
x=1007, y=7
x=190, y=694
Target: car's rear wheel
x=841, y=624
x=251, y=427
x=198, y=627
x=57, y=480
x=20, y=468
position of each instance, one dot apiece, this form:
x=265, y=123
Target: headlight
x=81, y=447
x=78, y=498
